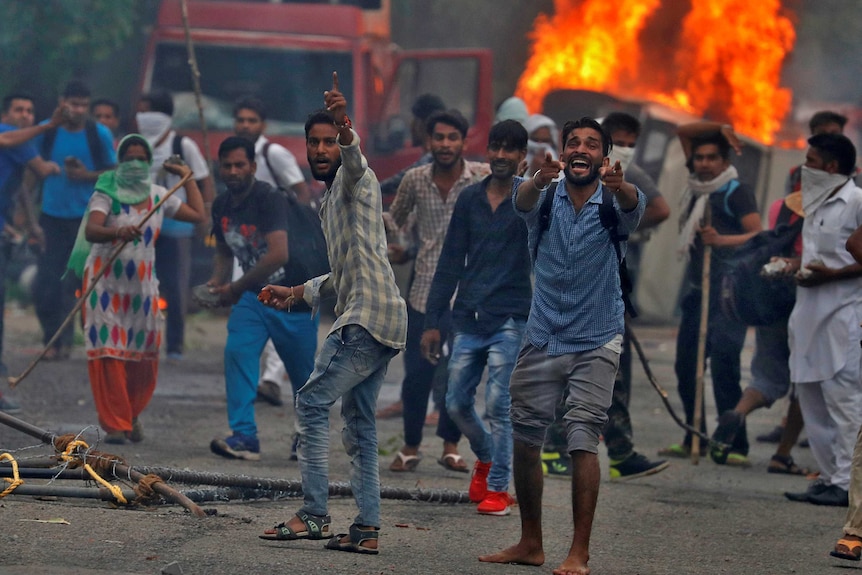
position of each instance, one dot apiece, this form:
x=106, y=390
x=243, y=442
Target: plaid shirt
x=417, y=191
x=351, y=212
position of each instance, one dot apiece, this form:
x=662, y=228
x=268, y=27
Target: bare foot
x=520, y=554
x=572, y=566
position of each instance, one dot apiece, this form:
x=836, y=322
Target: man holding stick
x=574, y=331
x=370, y=329
x=714, y=187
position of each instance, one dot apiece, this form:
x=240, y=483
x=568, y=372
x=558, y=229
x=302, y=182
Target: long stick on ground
x=701, y=342
x=13, y=381
x=51, y=439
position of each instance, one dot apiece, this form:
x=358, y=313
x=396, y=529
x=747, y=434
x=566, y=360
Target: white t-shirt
x=287, y=172
x=191, y=155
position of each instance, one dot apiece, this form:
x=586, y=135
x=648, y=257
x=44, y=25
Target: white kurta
x=825, y=321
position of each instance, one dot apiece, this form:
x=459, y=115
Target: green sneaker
x=634, y=466
x=556, y=464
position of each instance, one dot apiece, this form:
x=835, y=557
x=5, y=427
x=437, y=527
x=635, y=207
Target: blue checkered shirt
x=351, y=212
x=577, y=300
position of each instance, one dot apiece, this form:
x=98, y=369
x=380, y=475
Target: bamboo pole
x=13, y=381
x=701, y=341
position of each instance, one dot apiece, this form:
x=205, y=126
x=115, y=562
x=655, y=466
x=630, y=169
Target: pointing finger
x=618, y=167
x=335, y=81
x=606, y=161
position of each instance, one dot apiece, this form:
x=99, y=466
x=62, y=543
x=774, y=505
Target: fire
x=727, y=62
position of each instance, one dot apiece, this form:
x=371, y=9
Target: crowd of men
x=509, y=239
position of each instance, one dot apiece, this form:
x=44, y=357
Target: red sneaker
x=479, y=482
x=496, y=503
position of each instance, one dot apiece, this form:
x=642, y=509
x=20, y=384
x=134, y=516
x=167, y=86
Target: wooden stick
x=701, y=341
x=13, y=381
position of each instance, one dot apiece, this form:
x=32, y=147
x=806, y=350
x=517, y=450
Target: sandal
x=785, y=465
x=404, y=462
x=454, y=462
x=847, y=549
x=316, y=527
x=357, y=538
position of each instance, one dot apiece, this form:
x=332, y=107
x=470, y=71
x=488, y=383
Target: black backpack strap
x=610, y=221
x=544, y=219
x=94, y=143
x=177, y=146
x=48, y=139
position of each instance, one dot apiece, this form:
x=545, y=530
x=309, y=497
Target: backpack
x=94, y=143
x=748, y=297
x=610, y=221
x=306, y=243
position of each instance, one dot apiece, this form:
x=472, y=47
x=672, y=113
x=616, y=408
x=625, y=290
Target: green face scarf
x=128, y=184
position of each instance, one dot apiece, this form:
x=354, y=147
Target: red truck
x=285, y=54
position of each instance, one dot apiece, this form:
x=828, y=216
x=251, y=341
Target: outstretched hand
x=549, y=170
x=612, y=177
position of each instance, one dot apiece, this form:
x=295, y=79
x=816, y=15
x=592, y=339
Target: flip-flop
x=403, y=463
x=453, y=462
x=354, y=544
x=847, y=550
x=786, y=466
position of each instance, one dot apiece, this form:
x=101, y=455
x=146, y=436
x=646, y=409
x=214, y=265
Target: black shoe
x=773, y=436
x=729, y=424
x=634, y=466
x=816, y=487
x=832, y=496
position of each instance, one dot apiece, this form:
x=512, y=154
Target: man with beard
x=485, y=258
x=574, y=331
x=734, y=219
x=84, y=149
x=250, y=224
x=174, y=245
x=432, y=191
x=824, y=325
x=369, y=330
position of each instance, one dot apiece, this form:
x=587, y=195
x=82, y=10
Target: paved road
x=687, y=520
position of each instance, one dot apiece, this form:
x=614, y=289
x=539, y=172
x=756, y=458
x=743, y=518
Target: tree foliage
x=46, y=42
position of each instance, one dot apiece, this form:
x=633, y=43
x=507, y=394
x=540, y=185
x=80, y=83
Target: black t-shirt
x=244, y=227
x=728, y=205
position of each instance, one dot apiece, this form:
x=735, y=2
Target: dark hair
x=586, y=122
x=106, y=102
x=826, y=117
x=714, y=138
x=620, y=121
x=838, y=148
x=159, y=102
x=427, y=104
x=131, y=140
x=452, y=118
x=76, y=89
x=7, y=100
x=250, y=103
x=508, y=134
x=235, y=143
x=318, y=117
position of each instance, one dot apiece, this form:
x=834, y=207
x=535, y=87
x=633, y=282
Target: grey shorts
x=539, y=382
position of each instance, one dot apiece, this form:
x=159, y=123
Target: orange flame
x=727, y=64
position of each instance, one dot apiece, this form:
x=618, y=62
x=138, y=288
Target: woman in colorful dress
x=121, y=316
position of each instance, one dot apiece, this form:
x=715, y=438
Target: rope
x=145, y=488
x=15, y=481
x=69, y=457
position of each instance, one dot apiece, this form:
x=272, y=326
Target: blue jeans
x=173, y=268
x=351, y=365
x=250, y=324
x=470, y=354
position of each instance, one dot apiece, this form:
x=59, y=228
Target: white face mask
x=153, y=125
x=816, y=187
x=622, y=154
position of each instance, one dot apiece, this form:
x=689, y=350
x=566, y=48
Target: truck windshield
x=289, y=82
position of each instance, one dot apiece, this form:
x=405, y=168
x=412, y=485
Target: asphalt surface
x=688, y=519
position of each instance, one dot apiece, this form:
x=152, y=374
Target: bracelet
x=346, y=124
x=537, y=188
